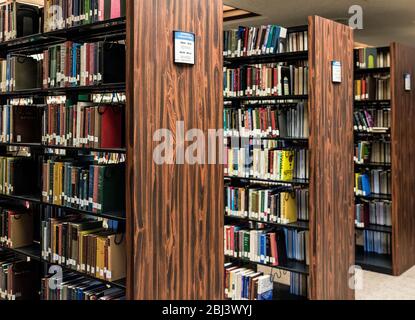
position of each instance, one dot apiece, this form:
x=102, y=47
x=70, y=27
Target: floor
x=377, y=286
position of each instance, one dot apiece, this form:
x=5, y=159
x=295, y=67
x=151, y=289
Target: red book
x=111, y=127
x=115, y=9
x=274, y=253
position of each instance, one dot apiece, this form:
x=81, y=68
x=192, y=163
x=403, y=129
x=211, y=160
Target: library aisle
x=225, y=150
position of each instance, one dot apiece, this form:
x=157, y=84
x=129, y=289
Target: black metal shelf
x=106, y=29
x=85, y=149
x=28, y=198
x=377, y=228
x=33, y=251
x=372, y=102
x=375, y=197
x=267, y=58
x=283, y=139
x=374, y=262
x=372, y=165
x=282, y=293
x=270, y=182
x=299, y=225
x=291, y=265
x=103, y=88
x=365, y=71
x=118, y=216
x=119, y=283
x=20, y=145
x=270, y=98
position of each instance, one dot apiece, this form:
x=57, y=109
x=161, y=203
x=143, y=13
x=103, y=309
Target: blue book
x=366, y=185
x=91, y=188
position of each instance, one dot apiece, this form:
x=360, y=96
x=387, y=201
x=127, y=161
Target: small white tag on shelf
x=336, y=68
x=408, y=84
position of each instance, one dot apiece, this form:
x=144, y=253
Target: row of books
x=374, y=212
x=262, y=246
x=369, y=58
x=297, y=245
x=68, y=64
x=83, y=124
x=375, y=181
x=247, y=284
x=263, y=40
x=85, y=246
x=75, y=287
x=62, y=14
x=17, y=176
x=19, y=72
x=265, y=80
x=83, y=185
x=277, y=205
x=267, y=122
x=376, y=87
x=377, y=242
x=372, y=120
x=18, y=19
x=373, y=152
x=299, y=284
x=20, y=124
x=16, y=228
x=75, y=64
x=266, y=163
x=17, y=278
x=250, y=41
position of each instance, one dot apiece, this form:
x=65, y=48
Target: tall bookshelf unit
x=401, y=168
x=110, y=30
x=330, y=145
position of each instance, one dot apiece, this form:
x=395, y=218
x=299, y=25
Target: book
x=373, y=87
x=19, y=19
x=16, y=228
x=267, y=121
x=377, y=242
x=266, y=205
x=72, y=64
x=75, y=13
x=369, y=58
x=263, y=40
x=84, y=185
x=73, y=286
x=17, y=176
x=262, y=80
x=249, y=158
x=18, y=278
x=373, y=152
x=85, y=246
x=20, y=73
x=372, y=120
x=373, y=213
x=83, y=125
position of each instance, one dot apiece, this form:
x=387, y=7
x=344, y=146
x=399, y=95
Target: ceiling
x=385, y=21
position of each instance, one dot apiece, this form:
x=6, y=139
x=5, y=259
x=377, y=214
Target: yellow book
x=100, y=267
x=116, y=262
x=288, y=208
x=287, y=165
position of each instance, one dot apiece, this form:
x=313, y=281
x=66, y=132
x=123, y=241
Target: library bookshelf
x=111, y=30
x=330, y=146
x=399, y=229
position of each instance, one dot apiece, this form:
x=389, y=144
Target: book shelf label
x=408, y=81
x=184, y=47
x=336, y=67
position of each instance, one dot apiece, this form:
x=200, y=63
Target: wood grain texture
x=331, y=164
x=175, y=212
x=403, y=155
